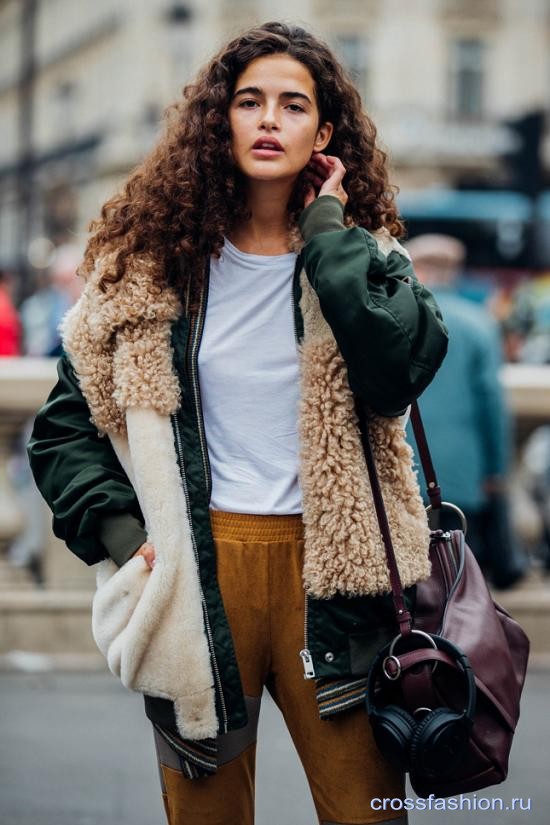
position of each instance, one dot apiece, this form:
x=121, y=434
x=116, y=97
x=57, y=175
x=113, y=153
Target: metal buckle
x=454, y=508
x=392, y=656
x=392, y=677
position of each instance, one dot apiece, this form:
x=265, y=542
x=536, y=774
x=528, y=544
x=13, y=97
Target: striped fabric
x=198, y=758
x=335, y=695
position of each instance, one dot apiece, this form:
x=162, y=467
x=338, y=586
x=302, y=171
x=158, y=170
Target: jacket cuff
x=121, y=534
x=325, y=214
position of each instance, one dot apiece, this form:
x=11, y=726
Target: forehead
x=277, y=73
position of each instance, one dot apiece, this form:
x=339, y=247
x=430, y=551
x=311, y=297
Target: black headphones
x=434, y=745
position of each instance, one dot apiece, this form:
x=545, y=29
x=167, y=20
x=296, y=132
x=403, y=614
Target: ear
x=324, y=135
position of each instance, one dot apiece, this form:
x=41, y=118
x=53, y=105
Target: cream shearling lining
x=149, y=624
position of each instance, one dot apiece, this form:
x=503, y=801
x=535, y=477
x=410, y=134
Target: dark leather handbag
x=443, y=697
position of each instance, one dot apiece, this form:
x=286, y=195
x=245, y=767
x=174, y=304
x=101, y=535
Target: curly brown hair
x=181, y=200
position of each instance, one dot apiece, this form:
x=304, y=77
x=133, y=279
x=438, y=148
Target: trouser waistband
x=253, y=527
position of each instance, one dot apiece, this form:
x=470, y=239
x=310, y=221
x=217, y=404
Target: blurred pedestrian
x=465, y=414
x=10, y=325
x=41, y=315
x=183, y=351
x=42, y=312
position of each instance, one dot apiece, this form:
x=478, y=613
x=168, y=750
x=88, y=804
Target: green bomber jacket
x=119, y=453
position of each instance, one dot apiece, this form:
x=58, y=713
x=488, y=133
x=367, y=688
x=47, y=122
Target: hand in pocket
x=146, y=550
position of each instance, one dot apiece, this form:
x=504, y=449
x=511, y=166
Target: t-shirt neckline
x=252, y=256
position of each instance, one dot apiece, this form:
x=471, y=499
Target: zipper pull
x=309, y=670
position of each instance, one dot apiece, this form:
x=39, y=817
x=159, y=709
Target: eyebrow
x=255, y=90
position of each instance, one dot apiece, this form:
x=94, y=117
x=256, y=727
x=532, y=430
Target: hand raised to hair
x=325, y=174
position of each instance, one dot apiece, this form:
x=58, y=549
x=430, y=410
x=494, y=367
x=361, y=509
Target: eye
x=243, y=104
x=296, y=108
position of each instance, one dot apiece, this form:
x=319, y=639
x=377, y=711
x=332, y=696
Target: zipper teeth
x=197, y=333
x=306, y=632
x=459, y=574
x=294, y=315
x=295, y=280
x=294, y=311
x=203, y=600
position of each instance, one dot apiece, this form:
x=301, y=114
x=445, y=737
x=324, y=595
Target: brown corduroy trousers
x=259, y=564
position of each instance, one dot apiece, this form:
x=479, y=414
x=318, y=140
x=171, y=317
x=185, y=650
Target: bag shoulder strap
x=433, y=489
x=402, y=615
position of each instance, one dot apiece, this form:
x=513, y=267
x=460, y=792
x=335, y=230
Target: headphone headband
x=441, y=644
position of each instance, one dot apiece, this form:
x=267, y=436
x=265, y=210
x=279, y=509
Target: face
x=274, y=100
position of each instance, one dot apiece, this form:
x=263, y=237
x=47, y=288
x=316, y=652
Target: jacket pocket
x=118, y=593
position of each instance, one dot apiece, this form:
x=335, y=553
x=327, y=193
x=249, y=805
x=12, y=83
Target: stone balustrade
x=24, y=386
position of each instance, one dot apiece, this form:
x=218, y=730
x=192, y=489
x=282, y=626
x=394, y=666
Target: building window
x=64, y=103
x=353, y=52
x=467, y=69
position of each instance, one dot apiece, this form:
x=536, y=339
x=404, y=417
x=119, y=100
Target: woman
x=242, y=290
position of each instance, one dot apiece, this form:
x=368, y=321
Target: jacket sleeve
x=387, y=325
x=95, y=509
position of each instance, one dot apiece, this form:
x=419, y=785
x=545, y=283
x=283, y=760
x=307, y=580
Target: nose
x=269, y=119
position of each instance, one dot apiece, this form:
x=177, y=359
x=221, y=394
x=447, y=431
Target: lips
x=268, y=143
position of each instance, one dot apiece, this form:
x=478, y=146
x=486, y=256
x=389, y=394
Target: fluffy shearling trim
x=119, y=343
x=388, y=243
x=344, y=552
x=149, y=623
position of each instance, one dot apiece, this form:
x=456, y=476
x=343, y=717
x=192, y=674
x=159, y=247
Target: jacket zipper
x=215, y=668
x=197, y=336
x=305, y=654
x=192, y=350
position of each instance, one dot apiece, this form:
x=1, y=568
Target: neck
x=266, y=231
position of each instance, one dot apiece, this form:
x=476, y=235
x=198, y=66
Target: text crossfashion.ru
x=451, y=803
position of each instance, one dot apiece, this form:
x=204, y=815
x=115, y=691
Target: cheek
x=303, y=147
x=303, y=137
x=235, y=129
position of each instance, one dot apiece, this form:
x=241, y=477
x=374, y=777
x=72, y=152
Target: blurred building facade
x=83, y=87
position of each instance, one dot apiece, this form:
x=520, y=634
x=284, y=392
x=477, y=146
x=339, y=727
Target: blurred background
x=460, y=92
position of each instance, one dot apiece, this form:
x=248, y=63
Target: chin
x=267, y=172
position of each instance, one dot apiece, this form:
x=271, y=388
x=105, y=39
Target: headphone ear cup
x=393, y=728
x=438, y=743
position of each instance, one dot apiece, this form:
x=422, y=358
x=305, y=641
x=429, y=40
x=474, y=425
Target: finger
x=316, y=166
x=147, y=550
x=336, y=175
x=320, y=162
x=316, y=180
x=309, y=197
x=334, y=160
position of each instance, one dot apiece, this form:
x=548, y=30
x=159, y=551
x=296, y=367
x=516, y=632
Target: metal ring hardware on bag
x=393, y=675
x=455, y=509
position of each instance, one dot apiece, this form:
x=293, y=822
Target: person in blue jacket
x=465, y=412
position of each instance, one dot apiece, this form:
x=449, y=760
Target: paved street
x=76, y=749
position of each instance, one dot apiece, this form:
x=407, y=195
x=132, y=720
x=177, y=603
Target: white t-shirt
x=249, y=382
